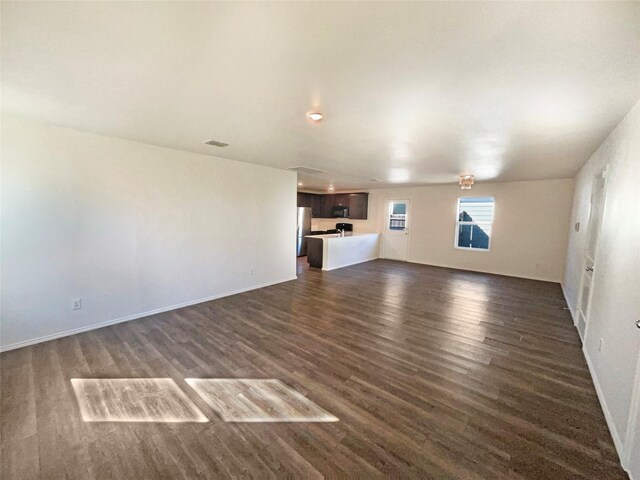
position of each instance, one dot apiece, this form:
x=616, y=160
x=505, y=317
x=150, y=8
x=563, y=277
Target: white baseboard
x=466, y=269
x=617, y=441
x=566, y=299
x=135, y=316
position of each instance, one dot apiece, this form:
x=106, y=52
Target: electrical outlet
x=600, y=346
x=76, y=304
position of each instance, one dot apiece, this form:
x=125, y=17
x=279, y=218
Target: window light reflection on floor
x=134, y=400
x=257, y=400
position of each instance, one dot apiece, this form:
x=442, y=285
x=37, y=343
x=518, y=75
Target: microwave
x=340, y=211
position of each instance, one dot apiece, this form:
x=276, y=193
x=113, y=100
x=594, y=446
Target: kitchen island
x=333, y=251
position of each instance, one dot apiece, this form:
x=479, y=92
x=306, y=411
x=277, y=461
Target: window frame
x=458, y=223
x=389, y=214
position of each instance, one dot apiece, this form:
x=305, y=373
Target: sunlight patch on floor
x=257, y=400
x=134, y=400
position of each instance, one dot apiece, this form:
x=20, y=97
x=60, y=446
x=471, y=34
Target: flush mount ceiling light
x=465, y=182
x=315, y=116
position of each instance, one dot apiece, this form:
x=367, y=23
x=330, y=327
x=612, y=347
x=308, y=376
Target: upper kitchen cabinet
x=326, y=205
x=312, y=200
x=341, y=199
x=316, y=206
x=358, y=206
x=305, y=199
x=322, y=205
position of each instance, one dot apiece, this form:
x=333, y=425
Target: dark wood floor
x=433, y=373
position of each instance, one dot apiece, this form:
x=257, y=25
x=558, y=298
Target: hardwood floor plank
x=431, y=372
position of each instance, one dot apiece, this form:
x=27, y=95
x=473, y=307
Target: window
x=473, y=224
x=398, y=216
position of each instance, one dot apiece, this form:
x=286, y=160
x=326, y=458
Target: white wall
x=529, y=232
x=338, y=252
x=615, y=303
x=130, y=228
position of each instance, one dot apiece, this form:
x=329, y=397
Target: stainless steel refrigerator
x=304, y=228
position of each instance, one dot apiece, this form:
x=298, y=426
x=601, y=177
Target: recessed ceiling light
x=299, y=184
x=315, y=116
x=330, y=187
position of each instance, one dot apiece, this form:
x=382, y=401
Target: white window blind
x=473, y=223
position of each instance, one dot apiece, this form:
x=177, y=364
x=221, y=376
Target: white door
x=593, y=230
x=396, y=230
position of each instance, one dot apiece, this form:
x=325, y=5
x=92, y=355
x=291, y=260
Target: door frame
x=633, y=425
x=385, y=229
x=602, y=172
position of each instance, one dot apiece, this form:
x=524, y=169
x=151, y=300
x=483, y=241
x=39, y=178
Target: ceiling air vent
x=216, y=143
x=306, y=170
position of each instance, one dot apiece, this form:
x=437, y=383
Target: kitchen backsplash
x=359, y=226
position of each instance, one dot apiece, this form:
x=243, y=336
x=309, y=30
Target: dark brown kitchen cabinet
x=305, y=199
x=312, y=200
x=316, y=206
x=322, y=205
x=326, y=205
x=341, y=199
x=358, y=206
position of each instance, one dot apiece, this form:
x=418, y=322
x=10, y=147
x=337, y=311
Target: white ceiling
x=414, y=93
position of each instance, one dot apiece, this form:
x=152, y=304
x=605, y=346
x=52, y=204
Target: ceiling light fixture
x=315, y=116
x=465, y=182
x=330, y=187
x=299, y=184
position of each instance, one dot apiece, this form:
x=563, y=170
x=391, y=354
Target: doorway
x=589, y=264
x=395, y=244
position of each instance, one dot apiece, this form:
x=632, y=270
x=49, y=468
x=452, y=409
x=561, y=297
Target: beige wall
x=130, y=228
x=529, y=231
x=360, y=226
x=615, y=301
